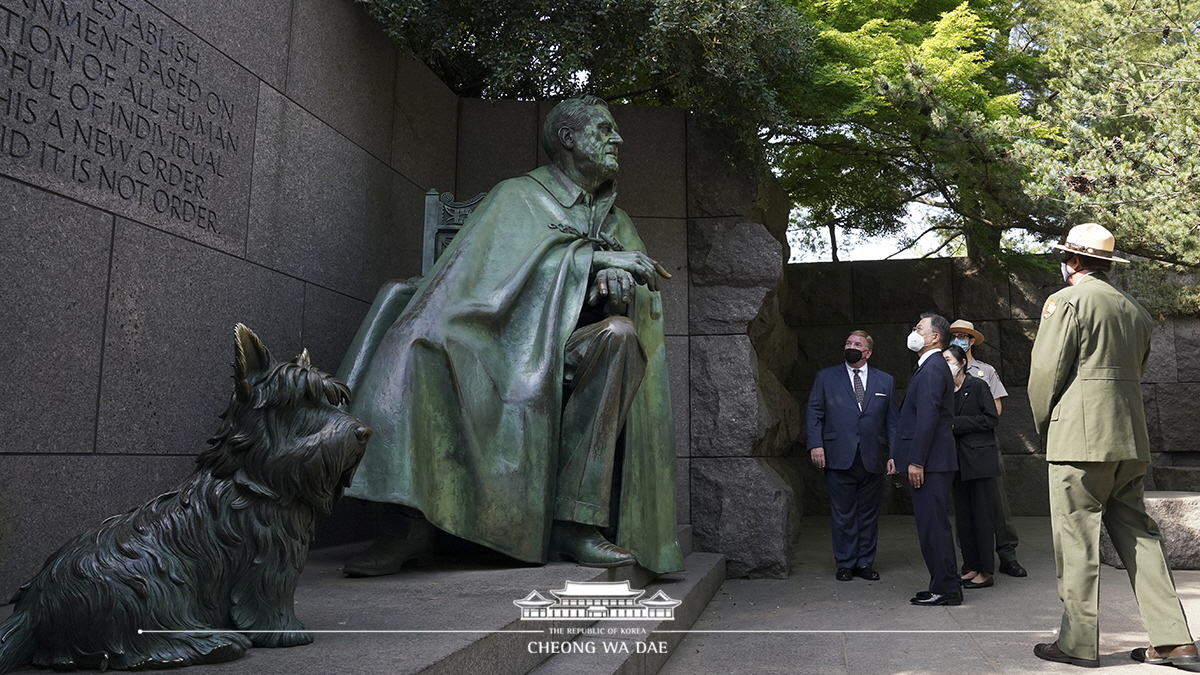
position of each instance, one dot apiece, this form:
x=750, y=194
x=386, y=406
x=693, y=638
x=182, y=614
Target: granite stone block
x=652, y=181
x=1177, y=478
x=342, y=68
x=169, y=342
x=979, y=294
x=819, y=347
x=45, y=500
x=716, y=184
x=1178, y=518
x=425, y=132
x=54, y=272
x=341, y=219
x=1178, y=421
x=1028, y=487
x=683, y=493
x=161, y=132
x=724, y=403
x=1017, y=337
x=734, y=263
x=255, y=35
x=679, y=370
x=543, y=109
x=1028, y=290
x=889, y=353
x=1163, y=366
x=744, y=508
x=1150, y=400
x=819, y=293
x=727, y=413
x=1015, y=434
x=497, y=140
x=330, y=323
x=901, y=290
x=1187, y=349
x=991, y=351
x=666, y=242
x=773, y=340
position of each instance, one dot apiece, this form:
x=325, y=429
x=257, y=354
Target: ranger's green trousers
x=1081, y=495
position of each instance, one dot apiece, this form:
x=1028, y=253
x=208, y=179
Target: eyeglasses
x=961, y=335
x=919, y=329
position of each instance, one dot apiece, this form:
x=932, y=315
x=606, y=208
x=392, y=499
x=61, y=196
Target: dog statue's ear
x=302, y=359
x=251, y=359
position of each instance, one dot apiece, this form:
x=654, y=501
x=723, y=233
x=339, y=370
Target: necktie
x=859, y=390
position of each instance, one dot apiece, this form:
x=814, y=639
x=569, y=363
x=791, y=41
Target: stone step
x=454, y=618
x=639, y=647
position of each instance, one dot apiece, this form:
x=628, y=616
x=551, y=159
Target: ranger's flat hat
x=967, y=327
x=1091, y=239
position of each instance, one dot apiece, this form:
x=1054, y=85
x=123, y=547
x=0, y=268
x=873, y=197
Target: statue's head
x=580, y=134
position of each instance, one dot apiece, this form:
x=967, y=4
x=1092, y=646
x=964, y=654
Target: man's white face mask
x=915, y=341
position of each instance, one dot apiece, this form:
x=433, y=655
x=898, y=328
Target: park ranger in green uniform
x=1091, y=350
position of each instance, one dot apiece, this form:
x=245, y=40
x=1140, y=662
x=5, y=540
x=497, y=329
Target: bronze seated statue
x=519, y=392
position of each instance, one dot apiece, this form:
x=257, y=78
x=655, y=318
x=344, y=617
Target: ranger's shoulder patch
x=1049, y=308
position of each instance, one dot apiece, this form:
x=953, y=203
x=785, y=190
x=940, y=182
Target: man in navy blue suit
x=923, y=446
x=850, y=413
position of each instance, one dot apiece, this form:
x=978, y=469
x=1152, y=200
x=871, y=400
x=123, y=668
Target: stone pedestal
x=1178, y=518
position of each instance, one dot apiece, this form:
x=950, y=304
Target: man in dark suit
x=850, y=412
x=923, y=446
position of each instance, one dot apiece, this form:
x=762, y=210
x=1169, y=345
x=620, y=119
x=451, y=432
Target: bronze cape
x=464, y=387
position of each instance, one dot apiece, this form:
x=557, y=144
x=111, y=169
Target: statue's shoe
x=586, y=546
x=388, y=554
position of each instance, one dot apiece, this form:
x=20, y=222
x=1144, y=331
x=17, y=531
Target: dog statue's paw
x=288, y=639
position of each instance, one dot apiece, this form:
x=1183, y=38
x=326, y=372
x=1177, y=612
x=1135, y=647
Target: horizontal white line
x=305, y=631
x=863, y=631
x=595, y=634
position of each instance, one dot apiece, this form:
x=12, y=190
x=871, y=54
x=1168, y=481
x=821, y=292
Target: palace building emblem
x=597, y=600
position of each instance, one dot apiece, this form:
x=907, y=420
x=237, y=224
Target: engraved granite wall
x=168, y=169
x=171, y=167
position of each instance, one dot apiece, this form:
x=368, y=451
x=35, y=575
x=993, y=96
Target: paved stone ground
x=812, y=600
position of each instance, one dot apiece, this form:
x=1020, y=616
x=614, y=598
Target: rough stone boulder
x=1178, y=518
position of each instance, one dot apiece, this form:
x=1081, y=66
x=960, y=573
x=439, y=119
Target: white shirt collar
x=929, y=353
x=861, y=371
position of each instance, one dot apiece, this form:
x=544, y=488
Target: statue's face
x=596, y=146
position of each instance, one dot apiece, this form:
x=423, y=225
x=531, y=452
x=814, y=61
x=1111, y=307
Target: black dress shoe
x=981, y=584
x=1013, y=569
x=845, y=574
x=866, y=573
x=1049, y=651
x=938, y=599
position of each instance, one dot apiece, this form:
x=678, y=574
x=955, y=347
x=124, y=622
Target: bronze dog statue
x=216, y=559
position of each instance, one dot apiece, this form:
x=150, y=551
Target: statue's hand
x=645, y=270
x=614, y=284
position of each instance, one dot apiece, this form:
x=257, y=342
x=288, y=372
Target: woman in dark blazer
x=975, y=419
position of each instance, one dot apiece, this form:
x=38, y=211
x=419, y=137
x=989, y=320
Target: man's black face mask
x=853, y=355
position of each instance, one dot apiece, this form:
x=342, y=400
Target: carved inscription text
x=110, y=95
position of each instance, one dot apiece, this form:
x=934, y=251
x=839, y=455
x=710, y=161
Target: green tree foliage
x=1124, y=120
x=924, y=102
x=991, y=121
x=742, y=63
